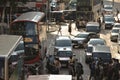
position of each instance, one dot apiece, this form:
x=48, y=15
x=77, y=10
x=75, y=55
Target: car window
x=117, y=26
x=20, y=47
x=92, y=28
x=109, y=19
x=102, y=55
x=82, y=35
x=115, y=31
x=62, y=43
x=95, y=42
x=64, y=53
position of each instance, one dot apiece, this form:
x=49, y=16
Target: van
x=93, y=27
x=103, y=52
x=62, y=42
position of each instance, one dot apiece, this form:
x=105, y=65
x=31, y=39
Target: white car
x=62, y=42
x=109, y=21
x=114, y=34
x=96, y=41
x=116, y=25
x=108, y=8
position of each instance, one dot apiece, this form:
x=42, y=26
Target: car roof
x=108, y=5
x=96, y=39
x=101, y=48
x=92, y=24
x=63, y=38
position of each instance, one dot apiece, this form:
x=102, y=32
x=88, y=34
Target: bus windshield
x=24, y=28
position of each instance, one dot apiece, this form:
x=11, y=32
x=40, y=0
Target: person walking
x=59, y=30
x=77, y=25
x=79, y=70
x=70, y=27
x=71, y=66
x=57, y=65
x=92, y=70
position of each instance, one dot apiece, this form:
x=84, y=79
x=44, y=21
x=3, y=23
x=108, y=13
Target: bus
x=10, y=63
x=33, y=31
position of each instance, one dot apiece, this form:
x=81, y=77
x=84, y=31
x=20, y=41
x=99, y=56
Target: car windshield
x=89, y=49
x=95, y=42
x=102, y=55
x=62, y=43
x=108, y=8
x=115, y=31
x=81, y=35
x=117, y=26
x=111, y=19
x=20, y=47
x=92, y=28
x=64, y=53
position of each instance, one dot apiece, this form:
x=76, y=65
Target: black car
x=80, y=39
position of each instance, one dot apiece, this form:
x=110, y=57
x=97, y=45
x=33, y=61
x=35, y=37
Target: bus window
x=30, y=28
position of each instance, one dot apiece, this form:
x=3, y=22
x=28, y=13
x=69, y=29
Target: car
x=108, y=8
x=96, y=41
x=64, y=55
x=103, y=52
x=116, y=25
x=62, y=42
x=80, y=39
x=109, y=21
x=93, y=27
x=88, y=53
x=114, y=34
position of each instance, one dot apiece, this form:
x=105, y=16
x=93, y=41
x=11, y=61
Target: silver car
x=114, y=34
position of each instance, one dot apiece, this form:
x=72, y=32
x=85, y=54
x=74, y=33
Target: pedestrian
x=99, y=21
x=71, y=66
x=59, y=30
x=57, y=65
x=92, y=70
x=70, y=27
x=116, y=70
x=79, y=70
x=117, y=11
x=77, y=25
